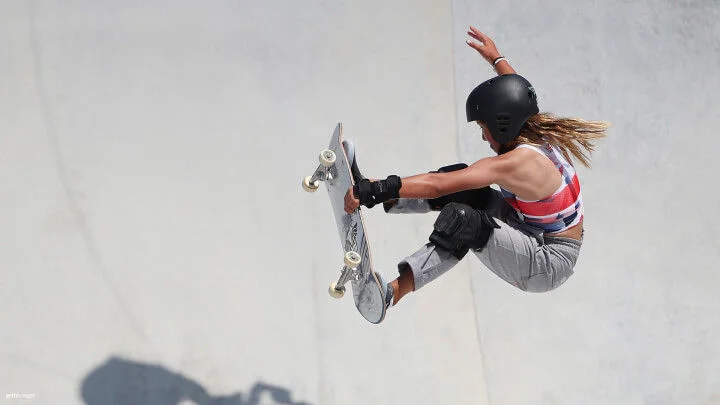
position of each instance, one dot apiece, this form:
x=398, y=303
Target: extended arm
x=487, y=171
x=482, y=173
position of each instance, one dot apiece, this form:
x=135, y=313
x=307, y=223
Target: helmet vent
x=503, y=122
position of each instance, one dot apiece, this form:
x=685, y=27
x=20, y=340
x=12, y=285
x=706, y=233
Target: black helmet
x=503, y=103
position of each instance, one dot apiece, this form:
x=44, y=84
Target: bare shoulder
x=529, y=174
x=517, y=161
x=525, y=158
x=523, y=154
x=499, y=166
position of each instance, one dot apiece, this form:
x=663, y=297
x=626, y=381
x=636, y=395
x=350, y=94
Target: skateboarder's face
x=487, y=137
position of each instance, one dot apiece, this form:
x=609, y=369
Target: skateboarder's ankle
x=403, y=285
x=396, y=291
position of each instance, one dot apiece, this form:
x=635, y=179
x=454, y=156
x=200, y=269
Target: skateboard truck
x=349, y=271
x=322, y=173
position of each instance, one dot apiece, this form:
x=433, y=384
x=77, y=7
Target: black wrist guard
x=371, y=193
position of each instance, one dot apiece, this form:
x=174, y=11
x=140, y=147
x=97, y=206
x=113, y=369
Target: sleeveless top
x=563, y=209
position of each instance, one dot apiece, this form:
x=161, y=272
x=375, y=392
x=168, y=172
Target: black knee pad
x=476, y=198
x=451, y=168
x=460, y=227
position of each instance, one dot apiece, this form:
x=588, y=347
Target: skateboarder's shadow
x=124, y=382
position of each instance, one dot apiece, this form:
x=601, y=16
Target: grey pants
x=516, y=252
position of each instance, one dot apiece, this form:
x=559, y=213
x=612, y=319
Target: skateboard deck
x=336, y=172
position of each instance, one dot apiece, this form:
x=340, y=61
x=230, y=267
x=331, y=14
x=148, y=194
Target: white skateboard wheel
x=335, y=292
x=327, y=158
x=352, y=259
x=310, y=187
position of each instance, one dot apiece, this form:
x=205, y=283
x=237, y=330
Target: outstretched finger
x=478, y=46
x=474, y=36
x=480, y=36
x=475, y=44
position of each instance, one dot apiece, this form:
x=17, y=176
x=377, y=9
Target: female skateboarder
x=530, y=232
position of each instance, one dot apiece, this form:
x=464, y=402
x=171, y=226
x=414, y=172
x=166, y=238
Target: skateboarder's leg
x=425, y=265
x=528, y=260
x=407, y=206
x=522, y=257
x=431, y=261
x=457, y=229
x=402, y=286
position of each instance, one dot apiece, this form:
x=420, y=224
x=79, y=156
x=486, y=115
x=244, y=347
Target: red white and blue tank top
x=563, y=209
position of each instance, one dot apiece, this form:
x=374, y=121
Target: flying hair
x=572, y=136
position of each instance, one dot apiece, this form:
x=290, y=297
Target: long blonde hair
x=572, y=136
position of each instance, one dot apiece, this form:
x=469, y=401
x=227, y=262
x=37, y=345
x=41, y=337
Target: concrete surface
x=156, y=246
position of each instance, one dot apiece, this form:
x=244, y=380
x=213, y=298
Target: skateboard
x=338, y=170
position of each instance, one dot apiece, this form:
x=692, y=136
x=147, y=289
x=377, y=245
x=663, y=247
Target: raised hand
x=483, y=44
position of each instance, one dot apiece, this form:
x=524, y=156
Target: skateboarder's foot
x=352, y=160
x=388, y=291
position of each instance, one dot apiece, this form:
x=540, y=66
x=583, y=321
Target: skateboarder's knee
x=459, y=227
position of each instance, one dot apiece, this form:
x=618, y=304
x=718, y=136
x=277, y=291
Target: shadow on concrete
x=124, y=382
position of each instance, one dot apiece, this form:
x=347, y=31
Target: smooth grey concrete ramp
x=156, y=243
x=156, y=246
x=639, y=322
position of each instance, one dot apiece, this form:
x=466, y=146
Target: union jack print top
x=560, y=211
